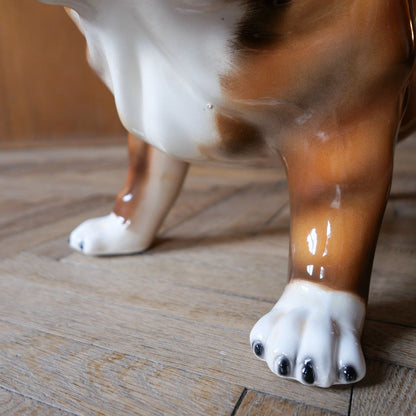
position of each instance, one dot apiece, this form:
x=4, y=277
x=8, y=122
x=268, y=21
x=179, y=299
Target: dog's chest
x=163, y=61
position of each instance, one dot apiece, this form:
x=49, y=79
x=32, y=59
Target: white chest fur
x=163, y=61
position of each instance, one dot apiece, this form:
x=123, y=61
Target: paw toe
x=316, y=343
x=76, y=242
x=283, y=367
x=351, y=363
x=258, y=349
x=108, y=235
x=348, y=374
x=308, y=372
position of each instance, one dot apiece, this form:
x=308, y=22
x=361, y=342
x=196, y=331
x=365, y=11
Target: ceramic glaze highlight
x=312, y=325
x=162, y=60
x=321, y=84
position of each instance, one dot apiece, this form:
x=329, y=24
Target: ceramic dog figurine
x=322, y=84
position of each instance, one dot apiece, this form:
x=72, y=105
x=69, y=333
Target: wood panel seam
x=239, y=401
x=333, y=412
x=350, y=403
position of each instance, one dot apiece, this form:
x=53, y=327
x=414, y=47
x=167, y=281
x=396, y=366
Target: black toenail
x=81, y=245
x=348, y=373
x=308, y=374
x=283, y=368
x=258, y=348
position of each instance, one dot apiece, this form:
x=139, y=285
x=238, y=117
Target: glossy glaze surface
x=238, y=80
x=323, y=85
x=312, y=335
x=152, y=185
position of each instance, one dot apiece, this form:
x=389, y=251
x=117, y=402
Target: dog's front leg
x=152, y=185
x=338, y=181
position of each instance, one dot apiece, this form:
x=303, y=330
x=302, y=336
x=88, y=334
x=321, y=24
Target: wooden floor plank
x=260, y=253
x=390, y=342
x=392, y=291
x=256, y=404
x=192, y=201
x=49, y=213
x=260, y=274
x=183, y=209
x=43, y=230
x=108, y=334
x=86, y=379
x=387, y=390
x=133, y=291
x=222, y=175
x=238, y=215
x=207, y=350
x=21, y=162
x=14, y=404
x=41, y=204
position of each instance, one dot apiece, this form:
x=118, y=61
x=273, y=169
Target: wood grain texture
x=85, y=379
x=256, y=403
x=14, y=404
x=166, y=332
x=213, y=347
x=390, y=342
x=387, y=390
x=47, y=89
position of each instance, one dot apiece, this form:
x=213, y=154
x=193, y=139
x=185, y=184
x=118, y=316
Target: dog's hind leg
x=152, y=185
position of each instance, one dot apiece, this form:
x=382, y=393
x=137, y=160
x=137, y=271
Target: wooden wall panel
x=47, y=90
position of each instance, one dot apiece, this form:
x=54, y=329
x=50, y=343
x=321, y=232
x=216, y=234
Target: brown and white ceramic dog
x=321, y=84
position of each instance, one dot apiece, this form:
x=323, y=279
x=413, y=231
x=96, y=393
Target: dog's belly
x=164, y=67
x=164, y=110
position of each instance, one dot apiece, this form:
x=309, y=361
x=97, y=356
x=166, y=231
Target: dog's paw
x=109, y=235
x=313, y=335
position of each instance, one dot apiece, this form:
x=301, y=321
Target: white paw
x=109, y=235
x=312, y=335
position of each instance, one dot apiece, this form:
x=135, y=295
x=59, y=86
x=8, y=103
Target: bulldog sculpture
x=322, y=84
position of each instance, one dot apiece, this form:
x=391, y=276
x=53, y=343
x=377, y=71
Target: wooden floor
x=166, y=332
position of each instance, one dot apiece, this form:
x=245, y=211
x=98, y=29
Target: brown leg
x=130, y=194
x=339, y=181
x=339, y=167
x=338, y=191
x=409, y=120
x=153, y=183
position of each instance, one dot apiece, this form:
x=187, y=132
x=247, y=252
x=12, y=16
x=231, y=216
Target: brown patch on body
x=326, y=79
x=260, y=27
x=320, y=54
x=239, y=141
x=237, y=137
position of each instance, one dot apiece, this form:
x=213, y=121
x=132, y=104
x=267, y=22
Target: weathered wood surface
x=255, y=403
x=166, y=332
x=387, y=390
x=15, y=404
